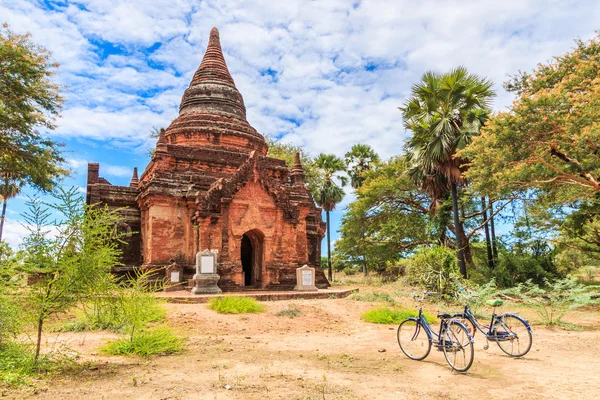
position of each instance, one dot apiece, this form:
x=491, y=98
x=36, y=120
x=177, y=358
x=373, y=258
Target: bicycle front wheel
x=457, y=346
x=413, y=339
x=513, y=336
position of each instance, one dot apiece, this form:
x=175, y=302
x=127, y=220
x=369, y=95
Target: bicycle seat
x=444, y=315
x=494, y=303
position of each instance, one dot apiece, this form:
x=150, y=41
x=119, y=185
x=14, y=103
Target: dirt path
x=327, y=353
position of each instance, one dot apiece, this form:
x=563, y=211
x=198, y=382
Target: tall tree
x=327, y=193
x=29, y=100
x=360, y=159
x=444, y=112
x=8, y=189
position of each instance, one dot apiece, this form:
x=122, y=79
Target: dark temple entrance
x=247, y=260
x=251, y=257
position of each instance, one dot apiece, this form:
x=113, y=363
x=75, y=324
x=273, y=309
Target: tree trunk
x=329, y=272
x=4, y=201
x=494, y=243
x=459, y=244
x=488, y=244
x=365, y=272
x=39, y=339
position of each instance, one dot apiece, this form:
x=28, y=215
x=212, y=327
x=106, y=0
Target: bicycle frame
x=434, y=337
x=468, y=314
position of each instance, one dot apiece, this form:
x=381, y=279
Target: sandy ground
x=326, y=353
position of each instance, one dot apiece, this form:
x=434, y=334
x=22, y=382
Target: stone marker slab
x=206, y=277
x=305, y=279
x=174, y=275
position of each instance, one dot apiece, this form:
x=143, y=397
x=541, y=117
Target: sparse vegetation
x=373, y=297
x=235, y=305
x=149, y=342
x=553, y=300
x=385, y=315
x=291, y=311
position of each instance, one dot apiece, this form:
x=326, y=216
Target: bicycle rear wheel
x=457, y=346
x=413, y=339
x=513, y=336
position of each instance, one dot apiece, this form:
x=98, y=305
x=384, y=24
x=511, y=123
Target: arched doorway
x=252, y=257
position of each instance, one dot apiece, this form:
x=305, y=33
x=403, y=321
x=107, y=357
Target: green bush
x=435, y=269
x=146, y=343
x=519, y=267
x=18, y=363
x=385, y=315
x=372, y=297
x=235, y=305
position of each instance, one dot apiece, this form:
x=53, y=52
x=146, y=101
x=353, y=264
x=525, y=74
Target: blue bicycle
x=511, y=332
x=416, y=336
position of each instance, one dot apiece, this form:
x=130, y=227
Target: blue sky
x=323, y=75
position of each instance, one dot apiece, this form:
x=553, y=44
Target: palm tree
x=327, y=193
x=444, y=112
x=8, y=190
x=362, y=158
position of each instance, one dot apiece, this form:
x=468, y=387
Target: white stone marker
x=206, y=277
x=305, y=279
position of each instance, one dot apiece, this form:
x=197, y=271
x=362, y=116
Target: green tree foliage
x=360, y=159
x=444, y=113
x=549, y=139
x=389, y=218
x=327, y=193
x=29, y=100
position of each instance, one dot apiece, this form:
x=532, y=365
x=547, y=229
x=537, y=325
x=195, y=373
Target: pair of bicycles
x=455, y=336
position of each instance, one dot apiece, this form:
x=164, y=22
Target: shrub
x=435, y=269
x=386, y=315
x=146, y=343
x=553, y=300
x=235, y=305
x=372, y=297
x=291, y=312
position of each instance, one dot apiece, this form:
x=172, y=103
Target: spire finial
x=297, y=171
x=134, y=179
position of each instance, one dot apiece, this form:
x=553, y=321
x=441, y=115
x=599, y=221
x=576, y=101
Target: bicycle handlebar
x=425, y=293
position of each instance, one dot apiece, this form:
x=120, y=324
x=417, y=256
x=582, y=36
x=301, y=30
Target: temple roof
x=212, y=111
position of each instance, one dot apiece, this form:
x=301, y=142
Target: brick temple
x=210, y=185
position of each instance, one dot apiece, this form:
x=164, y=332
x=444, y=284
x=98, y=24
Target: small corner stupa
x=210, y=185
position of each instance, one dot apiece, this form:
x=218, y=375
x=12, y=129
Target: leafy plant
x=553, y=300
x=235, y=305
x=385, y=315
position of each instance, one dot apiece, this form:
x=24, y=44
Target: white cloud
x=321, y=74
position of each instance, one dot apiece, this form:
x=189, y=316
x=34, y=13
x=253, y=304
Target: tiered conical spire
x=212, y=112
x=213, y=66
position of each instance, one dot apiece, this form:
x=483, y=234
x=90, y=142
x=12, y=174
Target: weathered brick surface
x=208, y=184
